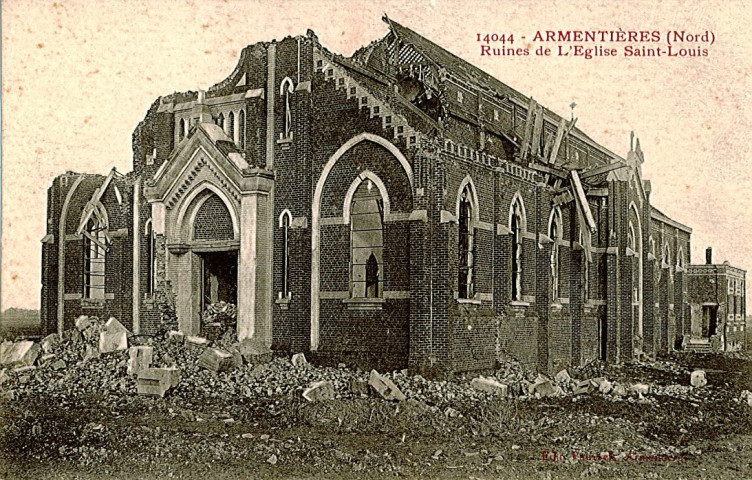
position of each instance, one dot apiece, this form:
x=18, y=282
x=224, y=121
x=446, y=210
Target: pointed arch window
x=221, y=121
x=285, y=222
x=634, y=264
x=183, y=129
x=516, y=226
x=94, y=258
x=465, y=282
x=231, y=125
x=555, y=233
x=241, y=130
x=666, y=256
x=286, y=89
x=367, y=241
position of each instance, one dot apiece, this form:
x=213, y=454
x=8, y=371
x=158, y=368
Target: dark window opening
x=231, y=126
x=241, y=130
x=516, y=256
x=372, y=277
x=466, y=246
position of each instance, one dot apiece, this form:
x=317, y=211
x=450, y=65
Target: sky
x=78, y=76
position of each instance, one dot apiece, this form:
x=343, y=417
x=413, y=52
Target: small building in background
x=718, y=305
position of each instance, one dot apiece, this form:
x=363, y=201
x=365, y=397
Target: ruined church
x=399, y=206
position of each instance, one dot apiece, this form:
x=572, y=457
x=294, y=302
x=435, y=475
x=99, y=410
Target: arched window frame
x=466, y=243
x=666, y=256
x=286, y=88
x=555, y=232
x=231, y=126
x=221, y=120
x=372, y=289
x=183, y=130
x=151, y=249
x=517, y=227
x=285, y=223
x=241, y=130
x=95, y=255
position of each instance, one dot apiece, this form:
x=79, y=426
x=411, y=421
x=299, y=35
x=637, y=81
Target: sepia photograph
x=374, y=239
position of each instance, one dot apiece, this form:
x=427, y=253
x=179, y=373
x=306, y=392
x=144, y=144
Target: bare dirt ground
x=86, y=421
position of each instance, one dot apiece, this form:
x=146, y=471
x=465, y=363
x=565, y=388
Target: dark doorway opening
x=709, y=320
x=219, y=278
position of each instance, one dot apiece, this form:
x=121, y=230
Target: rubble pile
x=107, y=359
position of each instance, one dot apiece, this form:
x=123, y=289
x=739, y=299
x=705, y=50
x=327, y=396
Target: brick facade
x=273, y=155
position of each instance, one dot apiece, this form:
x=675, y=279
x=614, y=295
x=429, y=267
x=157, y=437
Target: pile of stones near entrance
x=104, y=357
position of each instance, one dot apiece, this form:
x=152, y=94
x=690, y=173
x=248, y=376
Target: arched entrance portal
x=204, y=255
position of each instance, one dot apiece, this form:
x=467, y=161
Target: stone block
x=197, y=343
x=50, y=343
x=583, y=387
x=175, y=337
x=619, y=390
x=113, y=337
x=319, y=391
x=544, y=388
x=698, y=379
x=254, y=351
x=157, y=381
x=46, y=358
x=385, y=387
x=216, y=360
x=605, y=387
x=59, y=364
x=489, y=385
x=640, y=388
x=91, y=353
x=299, y=360
x=563, y=377
x=83, y=322
x=140, y=358
x=20, y=353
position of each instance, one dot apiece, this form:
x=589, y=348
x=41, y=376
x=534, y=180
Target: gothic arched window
x=231, y=125
x=241, y=130
x=94, y=259
x=466, y=247
x=555, y=233
x=367, y=241
x=516, y=226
